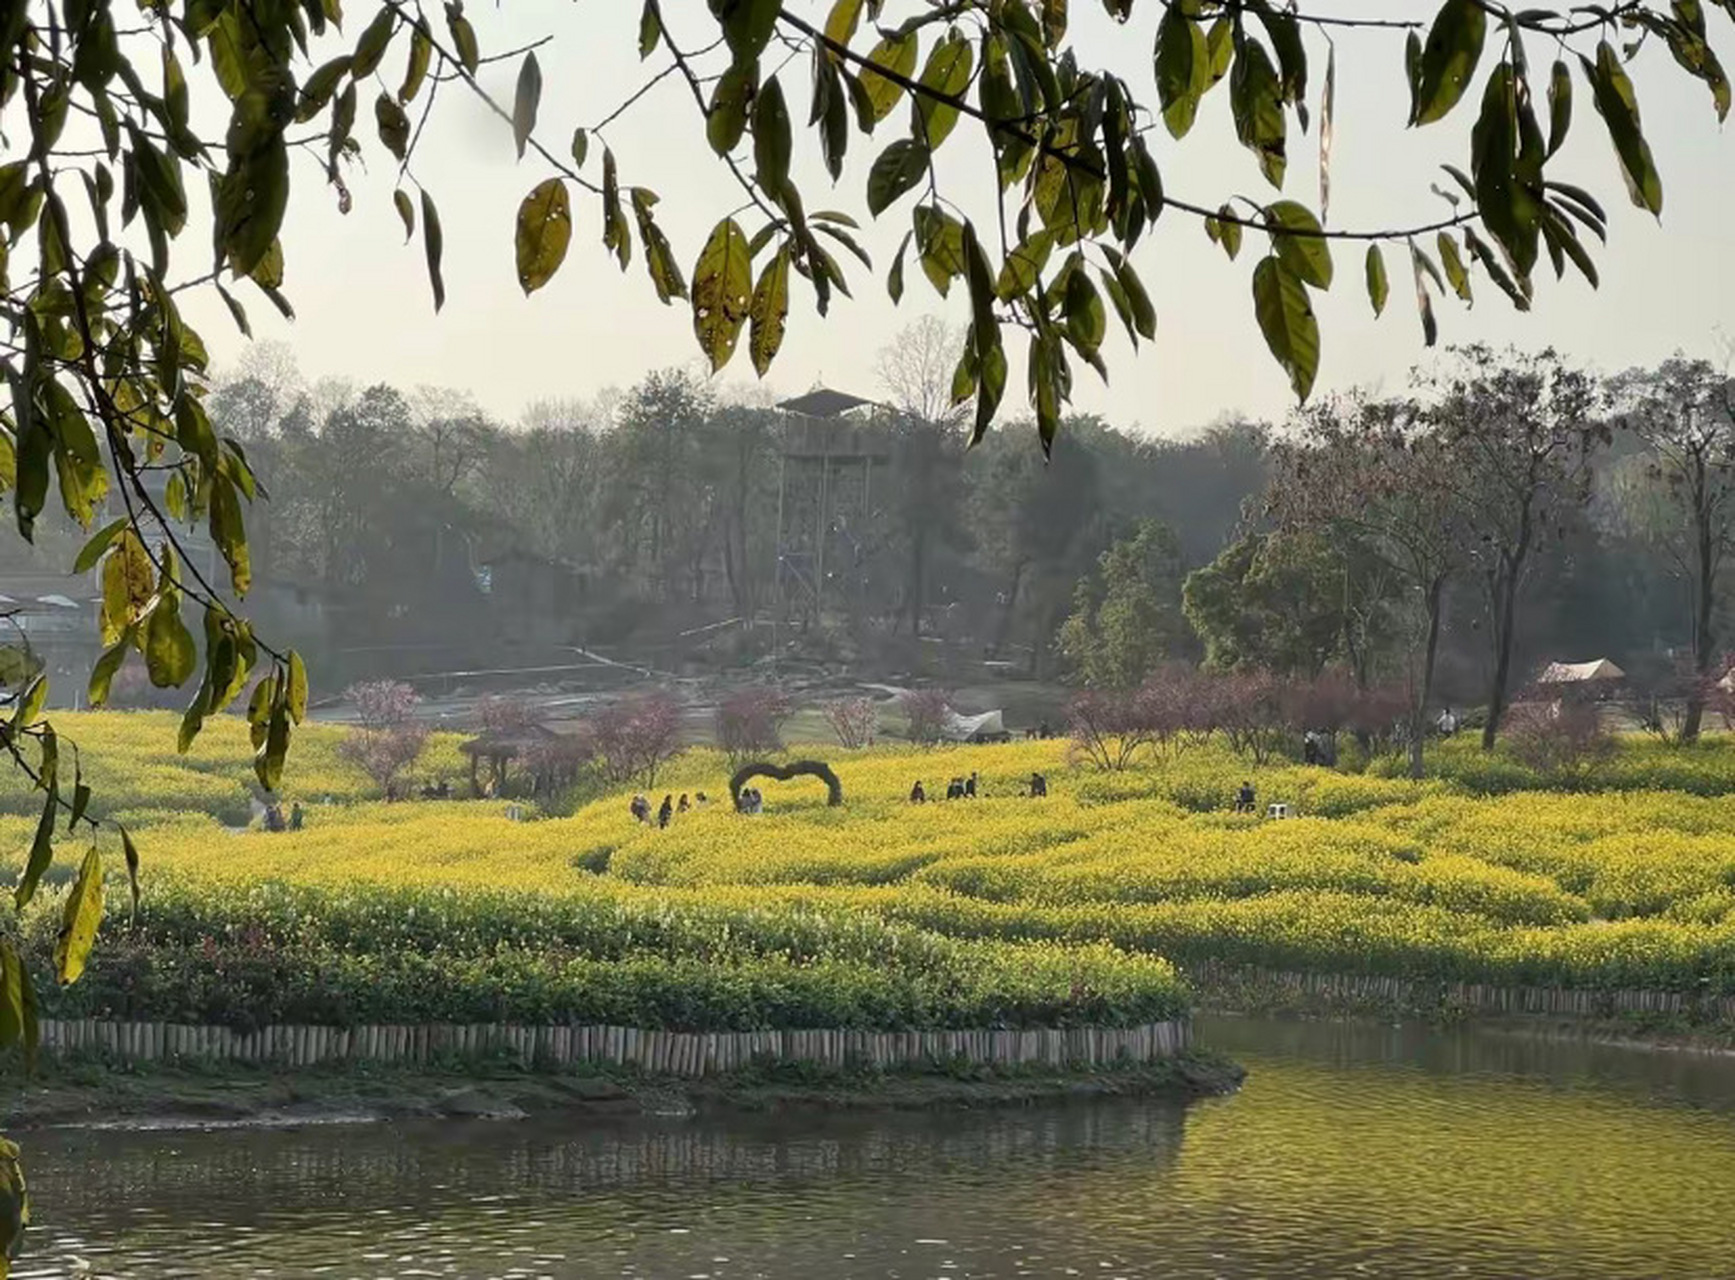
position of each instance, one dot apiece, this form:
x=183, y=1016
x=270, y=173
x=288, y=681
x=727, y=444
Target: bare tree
x=1520, y=431
x=853, y=720
x=1684, y=412
x=389, y=737
x=915, y=370
x=1366, y=469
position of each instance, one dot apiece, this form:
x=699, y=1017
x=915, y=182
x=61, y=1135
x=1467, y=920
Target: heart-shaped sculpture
x=783, y=773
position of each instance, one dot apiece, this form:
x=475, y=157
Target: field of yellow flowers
x=1001, y=910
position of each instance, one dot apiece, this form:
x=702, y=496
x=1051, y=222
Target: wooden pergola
x=499, y=747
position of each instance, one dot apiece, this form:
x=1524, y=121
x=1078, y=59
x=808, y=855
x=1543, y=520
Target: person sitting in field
x=700, y=799
x=1244, y=799
x=1038, y=786
x=917, y=795
x=755, y=801
x=274, y=817
x=955, y=789
x=640, y=808
x=684, y=805
x=1448, y=723
x=970, y=788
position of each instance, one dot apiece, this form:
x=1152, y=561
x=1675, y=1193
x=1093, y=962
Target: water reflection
x=1352, y=1152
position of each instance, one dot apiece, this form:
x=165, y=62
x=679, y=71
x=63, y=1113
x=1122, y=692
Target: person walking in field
x=640, y=809
x=970, y=788
x=684, y=805
x=666, y=812
x=917, y=795
x=1038, y=786
x=1245, y=801
x=295, y=816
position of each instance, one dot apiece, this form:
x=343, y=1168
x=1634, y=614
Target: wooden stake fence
x=662, y=1052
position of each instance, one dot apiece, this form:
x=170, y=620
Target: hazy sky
x=365, y=312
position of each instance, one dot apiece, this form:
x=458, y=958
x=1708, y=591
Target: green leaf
x=170, y=655
x=393, y=125
x=79, y=920
x=29, y=706
x=665, y=275
x=41, y=850
x=940, y=244
x=543, y=233
x=1508, y=209
x=841, y=22
x=897, y=55
x=416, y=69
x=1298, y=244
x=463, y=38
x=93, y=549
x=1256, y=101
x=722, y=289
x=1023, y=264
x=1138, y=301
x=230, y=534
x=317, y=90
x=433, y=245
x=747, y=26
x=525, y=101
x=102, y=674
x=17, y=1027
x=769, y=310
x=1559, y=105
x=1285, y=316
x=896, y=170
x=947, y=72
x=131, y=852
x=650, y=29
x=372, y=45
x=1086, y=320
x=895, y=277
x=1285, y=35
x=128, y=582
x=1616, y=102
x=580, y=147
x=772, y=141
x=1183, y=65
x=1421, y=268
x=1453, y=265
x=251, y=200
x=1480, y=251
x=406, y=212
x=1379, y=288
x=296, y=692
x=1448, y=60
x=726, y=117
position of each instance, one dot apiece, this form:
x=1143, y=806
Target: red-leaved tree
x=928, y=711
x=853, y=720
x=388, y=738
x=750, y=721
x=635, y=737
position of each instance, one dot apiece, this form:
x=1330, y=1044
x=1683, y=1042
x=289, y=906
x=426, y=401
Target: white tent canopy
x=1580, y=672
x=963, y=728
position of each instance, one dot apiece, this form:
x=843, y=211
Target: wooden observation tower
x=825, y=490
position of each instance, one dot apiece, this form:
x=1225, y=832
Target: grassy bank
x=90, y=1091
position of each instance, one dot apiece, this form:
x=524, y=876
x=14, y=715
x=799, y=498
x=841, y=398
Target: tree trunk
x=917, y=585
x=1004, y=631
x=1425, y=691
x=1505, y=619
x=1702, y=637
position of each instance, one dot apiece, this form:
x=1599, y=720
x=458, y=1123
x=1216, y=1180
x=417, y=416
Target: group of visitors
x=750, y=802
x=274, y=820
x=665, y=814
x=1041, y=731
x=965, y=789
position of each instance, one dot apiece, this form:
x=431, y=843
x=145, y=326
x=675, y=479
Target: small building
x=1583, y=680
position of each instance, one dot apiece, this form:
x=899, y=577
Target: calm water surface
x=1353, y=1152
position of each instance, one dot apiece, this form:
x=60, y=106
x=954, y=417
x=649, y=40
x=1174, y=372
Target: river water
x=1353, y=1151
